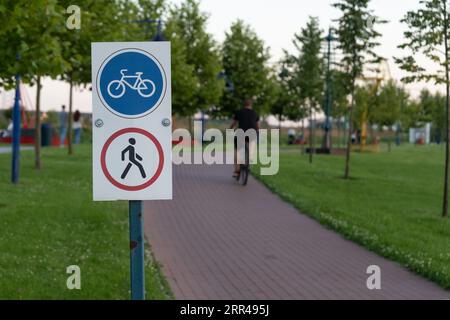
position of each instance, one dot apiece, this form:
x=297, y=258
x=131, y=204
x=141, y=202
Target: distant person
x=438, y=138
x=77, y=127
x=62, y=126
x=354, y=138
x=244, y=119
x=8, y=132
x=291, y=136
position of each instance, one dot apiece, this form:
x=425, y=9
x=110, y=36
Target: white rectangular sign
x=131, y=121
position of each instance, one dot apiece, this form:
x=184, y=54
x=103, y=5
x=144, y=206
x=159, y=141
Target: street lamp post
x=16, y=134
x=159, y=36
x=328, y=94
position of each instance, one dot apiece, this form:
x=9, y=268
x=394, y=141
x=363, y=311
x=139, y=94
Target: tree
x=245, y=65
x=389, y=105
x=184, y=80
x=283, y=104
x=30, y=30
x=428, y=34
x=310, y=73
x=357, y=42
x=100, y=21
x=288, y=104
x=187, y=24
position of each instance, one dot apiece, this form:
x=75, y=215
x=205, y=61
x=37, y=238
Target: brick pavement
x=219, y=240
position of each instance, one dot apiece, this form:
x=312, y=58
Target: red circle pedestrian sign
x=132, y=154
x=134, y=147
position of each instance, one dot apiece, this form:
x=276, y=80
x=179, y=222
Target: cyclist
x=245, y=119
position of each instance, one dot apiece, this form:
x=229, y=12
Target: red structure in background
x=30, y=140
x=24, y=102
x=27, y=133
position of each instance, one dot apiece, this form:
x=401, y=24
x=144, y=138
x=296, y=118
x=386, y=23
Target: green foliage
x=30, y=44
x=197, y=56
x=357, y=37
x=389, y=105
x=439, y=116
x=339, y=93
x=7, y=113
x=309, y=65
x=425, y=35
x=270, y=93
x=4, y=121
x=184, y=80
x=149, y=10
x=285, y=104
x=245, y=64
x=363, y=101
x=100, y=21
x=429, y=108
x=301, y=75
x=288, y=103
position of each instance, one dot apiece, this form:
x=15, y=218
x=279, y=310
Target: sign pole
x=16, y=134
x=137, y=250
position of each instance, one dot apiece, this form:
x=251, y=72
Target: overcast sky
x=275, y=21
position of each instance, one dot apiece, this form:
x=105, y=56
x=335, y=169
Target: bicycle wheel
x=243, y=175
x=147, y=88
x=245, y=168
x=116, y=89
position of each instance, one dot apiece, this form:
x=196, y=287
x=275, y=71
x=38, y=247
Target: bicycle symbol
x=145, y=87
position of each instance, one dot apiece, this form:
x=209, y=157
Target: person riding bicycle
x=245, y=119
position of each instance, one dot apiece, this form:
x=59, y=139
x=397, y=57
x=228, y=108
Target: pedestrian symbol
x=131, y=83
x=133, y=158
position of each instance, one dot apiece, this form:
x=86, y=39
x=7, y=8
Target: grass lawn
x=391, y=206
x=49, y=222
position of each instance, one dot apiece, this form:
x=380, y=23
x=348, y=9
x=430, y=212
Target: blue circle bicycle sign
x=131, y=83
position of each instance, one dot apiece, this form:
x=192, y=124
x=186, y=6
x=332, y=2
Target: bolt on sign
x=131, y=124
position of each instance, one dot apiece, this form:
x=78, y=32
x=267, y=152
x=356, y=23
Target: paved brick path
x=218, y=240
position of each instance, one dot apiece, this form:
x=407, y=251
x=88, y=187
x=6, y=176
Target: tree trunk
x=389, y=140
x=69, y=126
x=339, y=133
x=37, y=126
x=349, y=137
x=344, y=135
x=311, y=136
x=447, y=144
x=303, y=136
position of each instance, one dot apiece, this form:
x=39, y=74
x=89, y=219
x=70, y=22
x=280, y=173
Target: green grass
x=49, y=222
x=392, y=204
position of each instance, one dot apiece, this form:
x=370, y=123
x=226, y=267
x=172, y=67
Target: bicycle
x=117, y=88
x=244, y=169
